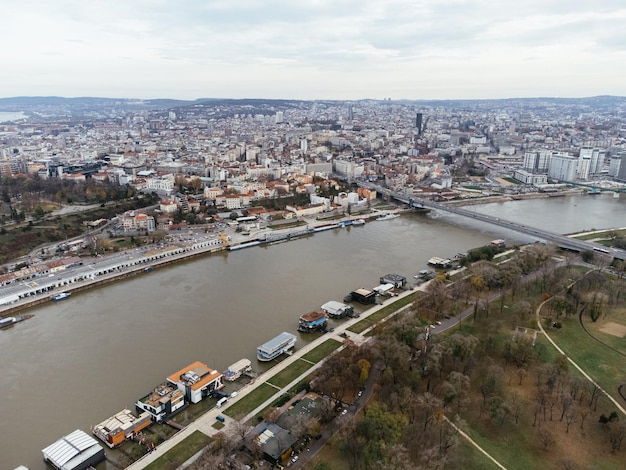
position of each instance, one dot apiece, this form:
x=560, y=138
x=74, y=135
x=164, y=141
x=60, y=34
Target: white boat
x=358, y=222
x=336, y=309
x=388, y=217
x=275, y=347
x=60, y=296
x=237, y=369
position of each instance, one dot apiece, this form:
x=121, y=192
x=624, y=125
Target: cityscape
x=312, y=235
x=216, y=175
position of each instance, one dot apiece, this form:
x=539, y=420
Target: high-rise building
x=562, y=167
x=418, y=123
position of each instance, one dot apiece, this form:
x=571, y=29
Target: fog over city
x=313, y=49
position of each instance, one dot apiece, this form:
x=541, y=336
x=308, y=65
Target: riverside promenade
x=205, y=423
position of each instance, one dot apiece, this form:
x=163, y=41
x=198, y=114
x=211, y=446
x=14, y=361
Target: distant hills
x=86, y=104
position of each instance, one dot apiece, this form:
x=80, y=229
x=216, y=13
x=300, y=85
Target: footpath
x=205, y=423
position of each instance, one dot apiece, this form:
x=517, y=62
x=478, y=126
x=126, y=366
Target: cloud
x=178, y=47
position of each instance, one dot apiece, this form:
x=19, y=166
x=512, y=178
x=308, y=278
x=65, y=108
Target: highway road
x=558, y=239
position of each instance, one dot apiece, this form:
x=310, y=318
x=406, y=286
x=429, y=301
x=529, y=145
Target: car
x=432, y=326
x=220, y=418
x=438, y=322
x=344, y=412
x=360, y=393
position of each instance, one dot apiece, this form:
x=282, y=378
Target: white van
x=221, y=401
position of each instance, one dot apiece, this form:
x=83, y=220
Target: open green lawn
x=469, y=457
x=249, y=402
x=602, y=364
x=176, y=456
x=602, y=234
x=322, y=351
x=289, y=374
x=617, y=316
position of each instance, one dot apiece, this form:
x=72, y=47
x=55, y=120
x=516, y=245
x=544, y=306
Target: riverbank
x=514, y=197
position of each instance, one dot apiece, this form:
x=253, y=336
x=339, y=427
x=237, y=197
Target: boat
x=387, y=217
x=60, y=296
x=236, y=370
x=322, y=228
x=275, y=347
x=336, y=309
x=312, y=321
x=439, y=262
x=244, y=245
x=358, y=222
x=8, y=321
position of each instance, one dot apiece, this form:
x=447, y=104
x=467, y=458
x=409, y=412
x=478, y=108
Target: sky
x=313, y=49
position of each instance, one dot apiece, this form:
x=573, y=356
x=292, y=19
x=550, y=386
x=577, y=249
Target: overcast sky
x=313, y=49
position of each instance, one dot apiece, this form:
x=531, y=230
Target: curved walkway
x=613, y=400
x=621, y=388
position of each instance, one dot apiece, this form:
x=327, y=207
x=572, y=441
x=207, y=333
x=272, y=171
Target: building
x=364, y=296
x=396, y=279
x=121, y=426
x=562, y=167
x=137, y=220
x=275, y=442
x=197, y=381
x=162, y=402
x=530, y=178
x=76, y=451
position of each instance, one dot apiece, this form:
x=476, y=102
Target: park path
x=613, y=400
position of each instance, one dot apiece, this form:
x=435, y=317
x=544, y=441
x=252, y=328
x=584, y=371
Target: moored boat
x=336, y=309
x=387, y=217
x=275, y=347
x=60, y=296
x=237, y=369
x=312, y=321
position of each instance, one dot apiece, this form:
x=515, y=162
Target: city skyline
x=313, y=49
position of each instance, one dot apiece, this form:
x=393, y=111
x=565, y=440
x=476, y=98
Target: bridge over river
x=559, y=240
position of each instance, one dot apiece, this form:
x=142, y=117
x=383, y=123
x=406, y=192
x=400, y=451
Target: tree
x=545, y=438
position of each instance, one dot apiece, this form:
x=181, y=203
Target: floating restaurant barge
x=237, y=369
x=336, y=309
x=121, y=426
x=283, y=343
x=312, y=321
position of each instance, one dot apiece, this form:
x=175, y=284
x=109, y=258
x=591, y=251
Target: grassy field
x=289, y=374
x=616, y=316
x=602, y=234
x=322, y=351
x=176, y=456
x=249, y=402
x=605, y=366
x=382, y=313
x=469, y=457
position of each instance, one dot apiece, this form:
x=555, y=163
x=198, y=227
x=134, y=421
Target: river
x=11, y=116
x=79, y=361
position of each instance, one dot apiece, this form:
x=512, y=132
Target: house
x=196, y=381
x=274, y=441
x=161, y=402
x=121, y=426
